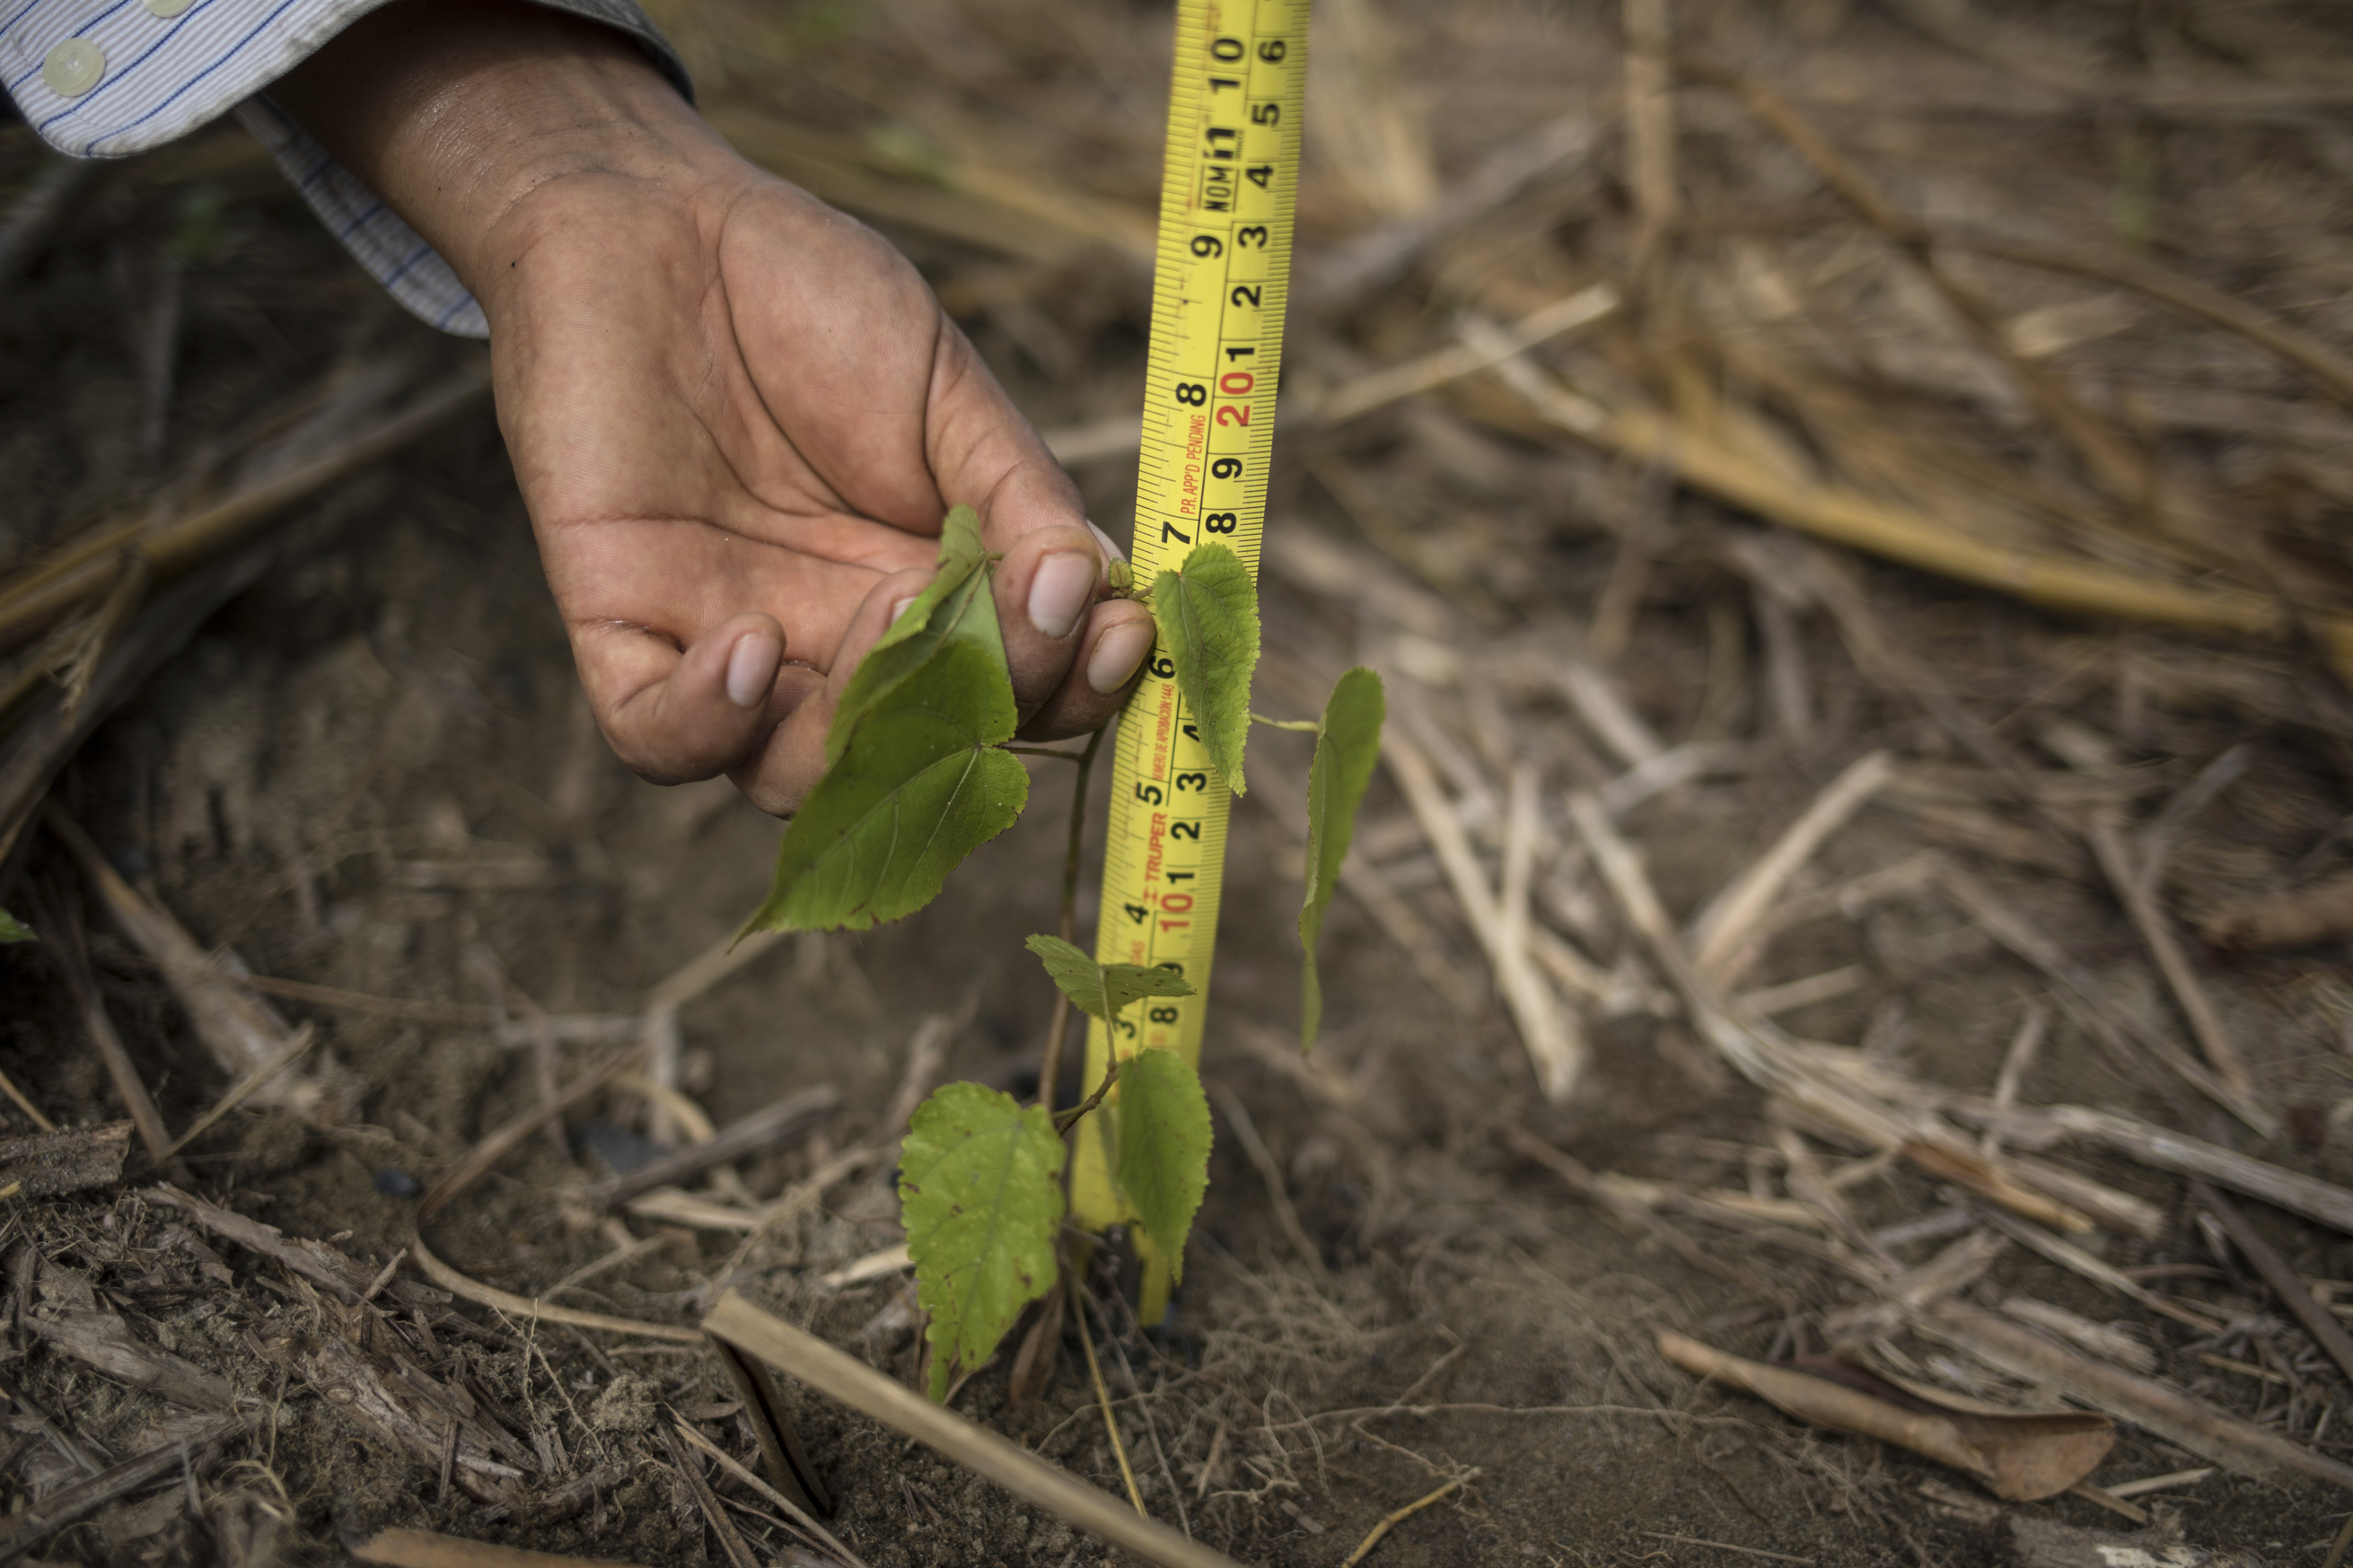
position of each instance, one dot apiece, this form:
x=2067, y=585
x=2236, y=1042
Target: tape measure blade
x=1227, y=194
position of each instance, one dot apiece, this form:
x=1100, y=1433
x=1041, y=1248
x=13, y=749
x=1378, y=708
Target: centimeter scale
x=1219, y=285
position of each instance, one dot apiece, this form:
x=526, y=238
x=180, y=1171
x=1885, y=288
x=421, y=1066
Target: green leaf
x=1103, y=990
x=1208, y=615
x=1347, y=745
x=980, y=1195
x=957, y=604
x=14, y=929
x=919, y=786
x=1164, y=1147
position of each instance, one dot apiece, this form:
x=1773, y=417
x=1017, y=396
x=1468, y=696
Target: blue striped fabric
x=165, y=76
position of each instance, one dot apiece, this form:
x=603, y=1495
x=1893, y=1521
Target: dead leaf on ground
x=2020, y=1458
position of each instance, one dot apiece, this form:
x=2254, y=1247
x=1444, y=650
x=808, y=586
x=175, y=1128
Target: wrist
x=460, y=112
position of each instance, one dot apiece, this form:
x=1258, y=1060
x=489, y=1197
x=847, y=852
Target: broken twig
x=843, y=1377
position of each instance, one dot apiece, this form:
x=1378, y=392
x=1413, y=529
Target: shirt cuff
x=106, y=79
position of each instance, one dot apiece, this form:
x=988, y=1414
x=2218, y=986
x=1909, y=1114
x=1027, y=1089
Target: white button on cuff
x=73, y=67
x=167, y=7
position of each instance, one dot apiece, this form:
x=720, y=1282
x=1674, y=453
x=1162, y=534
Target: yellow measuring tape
x=1222, y=277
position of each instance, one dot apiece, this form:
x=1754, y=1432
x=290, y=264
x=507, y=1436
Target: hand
x=737, y=416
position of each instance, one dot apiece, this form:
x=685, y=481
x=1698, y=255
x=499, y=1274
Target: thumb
x=674, y=717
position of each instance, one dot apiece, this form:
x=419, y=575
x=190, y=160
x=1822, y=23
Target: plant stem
x=1103, y=1400
x=1049, y=1070
x=1068, y=1119
x=1047, y=751
x=1304, y=726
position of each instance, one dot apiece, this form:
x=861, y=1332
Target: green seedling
x=955, y=605
x=1161, y=1133
x=980, y=1190
x=914, y=779
x=1348, y=744
x=1208, y=616
x=1160, y=1143
x=1103, y=990
x=918, y=775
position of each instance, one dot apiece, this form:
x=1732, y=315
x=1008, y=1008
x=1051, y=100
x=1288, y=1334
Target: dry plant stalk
x=36, y=597
x=530, y=1307
x=2020, y=1457
x=2083, y=997
x=347, y=1280
x=1613, y=1195
x=1650, y=119
x=2239, y=1446
x=1270, y=1172
x=2295, y=919
x=2075, y=1260
x=104, y=1341
x=2100, y=1338
x=1815, y=1081
x=409, y=1414
x=1396, y=1517
x=245, y=1034
x=786, y=1461
x=73, y=963
x=1378, y=389
x=2121, y=469
x=2294, y=1294
x=1904, y=534
x=404, y=1548
x=1555, y=1044
x=38, y=1520
x=853, y=1382
x=1726, y=925
x=1012, y=214
x=763, y=1129
x=793, y=1511
x=1102, y=1403
x=2132, y=888
x=43, y=1164
x=1370, y=131
x=238, y=1093
x=731, y=1540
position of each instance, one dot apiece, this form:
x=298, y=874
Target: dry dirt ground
x=375, y=772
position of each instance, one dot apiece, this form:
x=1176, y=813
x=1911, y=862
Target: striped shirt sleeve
x=106, y=79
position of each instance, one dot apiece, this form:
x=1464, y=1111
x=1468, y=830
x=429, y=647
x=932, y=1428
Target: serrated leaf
x=14, y=929
x=1347, y=745
x=955, y=604
x=1103, y=990
x=921, y=785
x=980, y=1195
x=1208, y=616
x=1164, y=1147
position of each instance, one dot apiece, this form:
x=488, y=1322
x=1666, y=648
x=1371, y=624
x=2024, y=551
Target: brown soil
x=375, y=772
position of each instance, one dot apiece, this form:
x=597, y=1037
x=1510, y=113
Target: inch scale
x=1220, y=281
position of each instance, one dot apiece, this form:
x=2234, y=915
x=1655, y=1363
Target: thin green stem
x=1049, y=1070
x=1050, y=751
x=1068, y=1119
x=1304, y=726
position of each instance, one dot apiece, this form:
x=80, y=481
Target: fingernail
x=1059, y=591
x=1117, y=656
x=751, y=669
x=900, y=609
x=1110, y=551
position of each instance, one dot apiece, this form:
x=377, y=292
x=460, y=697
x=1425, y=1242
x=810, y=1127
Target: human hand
x=736, y=415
